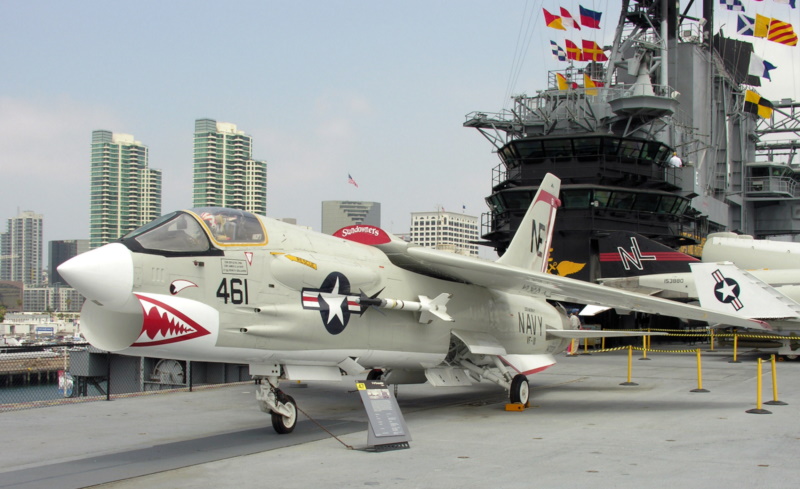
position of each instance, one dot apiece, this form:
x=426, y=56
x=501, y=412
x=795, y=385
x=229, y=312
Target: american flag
x=350, y=180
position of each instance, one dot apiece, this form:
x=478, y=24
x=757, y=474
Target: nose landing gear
x=281, y=406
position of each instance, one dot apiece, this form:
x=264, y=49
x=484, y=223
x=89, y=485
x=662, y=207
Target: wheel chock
x=517, y=406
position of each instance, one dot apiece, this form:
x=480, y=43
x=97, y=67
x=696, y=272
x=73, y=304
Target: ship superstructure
x=671, y=88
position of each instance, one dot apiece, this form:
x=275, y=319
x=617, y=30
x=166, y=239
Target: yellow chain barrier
x=705, y=332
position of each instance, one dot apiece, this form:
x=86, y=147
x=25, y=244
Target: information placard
x=387, y=428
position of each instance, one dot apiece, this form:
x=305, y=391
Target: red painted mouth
x=163, y=324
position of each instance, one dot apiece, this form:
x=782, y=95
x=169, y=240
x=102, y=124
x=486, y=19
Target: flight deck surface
x=583, y=428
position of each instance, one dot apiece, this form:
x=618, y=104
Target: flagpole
x=665, y=38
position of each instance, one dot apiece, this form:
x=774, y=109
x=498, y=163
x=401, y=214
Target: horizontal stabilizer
x=592, y=333
x=725, y=288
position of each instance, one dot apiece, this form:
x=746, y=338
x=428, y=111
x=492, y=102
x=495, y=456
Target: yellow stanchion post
x=644, y=348
x=735, y=348
x=711, y=331
x=630, y=366
x=699, y=375
x=572, y=349
x=586, y=346
x=603, y=343
x=774, y=401
x=758, y=409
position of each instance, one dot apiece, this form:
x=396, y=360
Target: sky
x=376, y=90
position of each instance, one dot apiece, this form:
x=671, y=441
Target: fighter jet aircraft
x=215, y=284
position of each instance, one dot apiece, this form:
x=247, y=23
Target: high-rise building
x=448, y=231
x=61, y=251
x=51, y=299
x=21, y=249
x=5, y=256
x=337, y=214
x=125, y=191
x=225, y=173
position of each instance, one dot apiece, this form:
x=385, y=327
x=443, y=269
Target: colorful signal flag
x=590, y=84
x=567, y=20
x=593, y=52
x=760, y=67
x=558, y=51
x=733, y=4
x=761, y=28
x=563, y=83
x=745, y=26
x=758, y=105
x=782, y=33
x=573, y=51
x=590, y=18
x=553, y=21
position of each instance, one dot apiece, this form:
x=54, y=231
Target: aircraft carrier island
x=660, y=142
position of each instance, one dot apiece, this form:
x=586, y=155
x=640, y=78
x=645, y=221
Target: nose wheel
x=281, y=407
x=285, y=422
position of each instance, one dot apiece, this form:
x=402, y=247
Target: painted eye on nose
x=180, y=284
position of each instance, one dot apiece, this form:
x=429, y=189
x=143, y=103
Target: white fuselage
x=293, y=301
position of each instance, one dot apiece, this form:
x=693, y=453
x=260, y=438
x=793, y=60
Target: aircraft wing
x=521, y=269
x=537, y=284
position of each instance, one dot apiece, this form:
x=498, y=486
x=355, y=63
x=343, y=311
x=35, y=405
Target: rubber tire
x=520, y=391
x=375, y=374
x=284, y=425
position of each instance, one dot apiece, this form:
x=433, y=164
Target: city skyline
x=376, y=91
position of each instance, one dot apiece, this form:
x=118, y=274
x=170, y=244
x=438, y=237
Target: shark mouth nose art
x=163, y=324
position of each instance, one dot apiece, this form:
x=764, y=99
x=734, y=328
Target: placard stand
x=387, y=428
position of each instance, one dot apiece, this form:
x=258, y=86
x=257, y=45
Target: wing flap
x=529, y=364
x=480, y=343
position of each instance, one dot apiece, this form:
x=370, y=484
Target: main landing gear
x=491, y=368
x=520, y=391
x=278, y=404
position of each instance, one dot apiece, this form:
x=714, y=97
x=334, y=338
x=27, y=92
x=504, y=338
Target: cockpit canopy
x=198, y=230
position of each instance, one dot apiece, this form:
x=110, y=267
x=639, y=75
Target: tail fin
x=724, y=287
x=628, y=254
x=530, y=246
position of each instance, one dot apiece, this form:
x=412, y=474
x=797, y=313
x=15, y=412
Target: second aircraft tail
x=724, y=287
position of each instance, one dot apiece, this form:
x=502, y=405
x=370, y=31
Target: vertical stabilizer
x=530, y=247
x=628, y=254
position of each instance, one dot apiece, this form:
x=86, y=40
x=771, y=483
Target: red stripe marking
x=659, y=255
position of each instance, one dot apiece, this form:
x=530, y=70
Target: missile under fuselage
x=427, y=307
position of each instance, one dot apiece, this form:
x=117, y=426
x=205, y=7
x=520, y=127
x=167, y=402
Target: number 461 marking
x=236, y=292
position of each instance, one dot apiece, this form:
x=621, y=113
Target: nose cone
x=103, y=275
